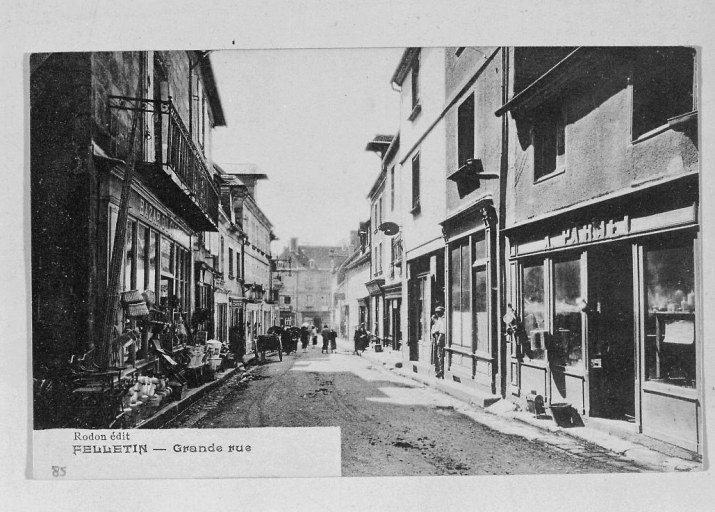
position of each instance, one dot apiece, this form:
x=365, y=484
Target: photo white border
x=75, y=25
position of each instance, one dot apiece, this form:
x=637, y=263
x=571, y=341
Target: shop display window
x=670, y=316
x=152, y=246
x=129, y=259
x=534, y=304
x=142, y=263
x=567, y=312
x=481, y=320
x=167, y=256
x=460, y=310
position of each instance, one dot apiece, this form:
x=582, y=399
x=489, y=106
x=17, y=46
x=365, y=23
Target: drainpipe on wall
x=501, y=264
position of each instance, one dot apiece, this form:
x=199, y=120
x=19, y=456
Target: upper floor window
x=663, y=87
x=379, y=212
x=379, y=257
x=465, y=131
x=392, y=189
x=415, y=75
x=416, y=183
x=220, y=263
x=549, y=140
x=230, y=263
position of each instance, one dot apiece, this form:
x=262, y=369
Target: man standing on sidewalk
x=438, y=339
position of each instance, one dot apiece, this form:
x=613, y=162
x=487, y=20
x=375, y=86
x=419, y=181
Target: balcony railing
x=179, y=159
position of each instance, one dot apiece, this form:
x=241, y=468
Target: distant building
x=261, y=312
x=351, y=300
x=385, y=281
x=307, y=287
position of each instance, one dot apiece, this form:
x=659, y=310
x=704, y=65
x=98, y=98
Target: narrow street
x=391, y=426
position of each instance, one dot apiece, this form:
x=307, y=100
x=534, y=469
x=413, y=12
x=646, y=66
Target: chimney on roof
x=293, y=244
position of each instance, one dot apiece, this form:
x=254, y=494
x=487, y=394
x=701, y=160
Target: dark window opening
x=465, y=131
x=416, y=81
x=392, y=188
x=663, y=81
x=416, y=183
x=549, y=141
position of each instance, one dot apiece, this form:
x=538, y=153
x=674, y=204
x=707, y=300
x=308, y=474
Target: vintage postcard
x=337, y=264
x=482, y=242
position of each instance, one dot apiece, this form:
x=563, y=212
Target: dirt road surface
x=390, y=425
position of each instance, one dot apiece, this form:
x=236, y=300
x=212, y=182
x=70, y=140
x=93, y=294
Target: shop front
x=471, y=352
x=377, y=307
x=236, y=332
x=608, y=316
x=391, y=320
x=364, y=311
x=425, y=291
x=157, y=264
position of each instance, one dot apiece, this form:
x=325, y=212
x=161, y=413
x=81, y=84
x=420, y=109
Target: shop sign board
x=605, y=229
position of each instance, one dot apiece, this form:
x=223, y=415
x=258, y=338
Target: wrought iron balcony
x=175, y=168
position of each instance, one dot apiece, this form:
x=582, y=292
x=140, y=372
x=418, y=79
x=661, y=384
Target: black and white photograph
x=295, y=263
x=509, y=285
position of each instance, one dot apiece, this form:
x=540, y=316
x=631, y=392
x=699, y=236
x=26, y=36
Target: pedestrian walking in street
x=325, y=333
x=438, y=340
x=360, y=339
x=304, y=335
x=314, y=334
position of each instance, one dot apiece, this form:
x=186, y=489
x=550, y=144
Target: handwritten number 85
x=58, y=471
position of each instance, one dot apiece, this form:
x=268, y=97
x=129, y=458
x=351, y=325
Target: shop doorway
x=611, y=332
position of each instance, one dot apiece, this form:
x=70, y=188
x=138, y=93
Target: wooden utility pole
x=111, y=302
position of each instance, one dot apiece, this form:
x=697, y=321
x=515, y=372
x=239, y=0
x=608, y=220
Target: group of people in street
x=309, y=337
x=329, y=340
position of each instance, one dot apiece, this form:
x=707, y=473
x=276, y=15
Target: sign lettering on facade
x=595, y=230
x=155, y=216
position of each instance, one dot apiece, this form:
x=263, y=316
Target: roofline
x=394, y=145
x=534, y=87
x=376, y=185
x=260, y=213
x=404, y=65
x=212, y=91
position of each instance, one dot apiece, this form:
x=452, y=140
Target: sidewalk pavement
x=610, y=435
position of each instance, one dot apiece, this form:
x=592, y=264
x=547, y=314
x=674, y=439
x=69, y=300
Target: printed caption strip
x=185, y=453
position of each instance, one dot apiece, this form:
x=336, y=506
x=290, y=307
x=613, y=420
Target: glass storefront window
x=460, y=309
x=480, y=249
x=141, y=257
x=129, y=258
x=151, y=284
x=567, y=312
x=534, y=304
x=167, y=255
x=481, y=321
x=670, y=316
